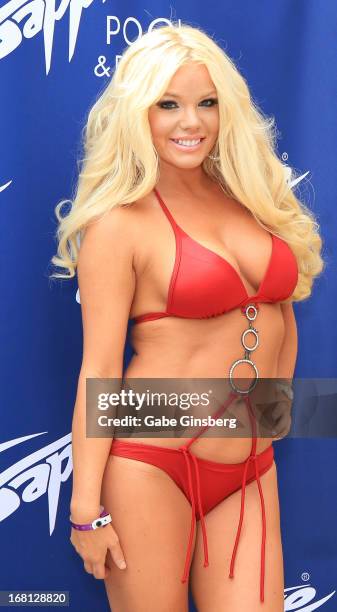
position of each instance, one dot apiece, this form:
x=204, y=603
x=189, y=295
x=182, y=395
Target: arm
x=281, y=415
x=107, y=283
x=288, y=351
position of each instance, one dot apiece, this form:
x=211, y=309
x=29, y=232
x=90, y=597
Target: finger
x=283, y=427
x=285, y=415
x=107, y=571
x=265, y=414
x=88, y=567
x=117, y=554
x=269, y=418
x=282, y=408
x=99, y=570
x=286, y=423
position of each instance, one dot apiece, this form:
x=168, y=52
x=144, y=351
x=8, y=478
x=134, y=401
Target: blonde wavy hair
x=121, y=165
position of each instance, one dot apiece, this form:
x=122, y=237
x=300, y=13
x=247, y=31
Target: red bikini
x=203, y=284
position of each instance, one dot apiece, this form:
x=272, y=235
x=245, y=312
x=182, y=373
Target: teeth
x=188, y=143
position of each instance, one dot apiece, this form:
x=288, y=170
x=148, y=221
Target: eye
x=164, y=104
x=212, y=100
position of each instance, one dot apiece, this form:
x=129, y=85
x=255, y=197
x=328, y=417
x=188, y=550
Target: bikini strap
x=166, y=211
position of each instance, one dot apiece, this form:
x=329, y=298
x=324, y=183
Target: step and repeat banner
x=54, y=59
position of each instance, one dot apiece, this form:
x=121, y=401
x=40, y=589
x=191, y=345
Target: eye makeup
x=161, y=103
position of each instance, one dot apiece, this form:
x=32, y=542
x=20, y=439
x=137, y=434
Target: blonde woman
x=183, y=220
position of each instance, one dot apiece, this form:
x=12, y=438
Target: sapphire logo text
x=303, y=598
x=38, y=473
x=41, y=16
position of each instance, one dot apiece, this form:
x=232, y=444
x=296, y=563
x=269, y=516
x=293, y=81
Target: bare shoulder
x=112, y=236
x=117, y=241
x=119, y=223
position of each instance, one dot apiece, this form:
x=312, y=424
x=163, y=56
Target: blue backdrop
x=53, y=63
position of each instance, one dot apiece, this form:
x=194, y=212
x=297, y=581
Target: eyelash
x=214, y=100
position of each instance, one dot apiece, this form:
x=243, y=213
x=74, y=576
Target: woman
x=188, y=226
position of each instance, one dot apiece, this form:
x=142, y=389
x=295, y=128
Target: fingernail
x=122, y=564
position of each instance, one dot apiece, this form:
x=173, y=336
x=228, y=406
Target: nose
x=190, y=119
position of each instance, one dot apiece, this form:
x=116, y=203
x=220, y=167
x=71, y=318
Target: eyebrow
x=174, y=95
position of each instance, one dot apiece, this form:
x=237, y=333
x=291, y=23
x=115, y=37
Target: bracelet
x=287, y=389
x=103, y=519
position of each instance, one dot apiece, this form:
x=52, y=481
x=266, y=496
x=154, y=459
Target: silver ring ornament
x=254, y=315
x=251, y=330
x=254, y=383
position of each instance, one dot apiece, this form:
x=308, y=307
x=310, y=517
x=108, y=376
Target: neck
x=183, y=180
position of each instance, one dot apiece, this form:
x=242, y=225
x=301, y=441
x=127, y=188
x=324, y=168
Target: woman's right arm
x=106, y=281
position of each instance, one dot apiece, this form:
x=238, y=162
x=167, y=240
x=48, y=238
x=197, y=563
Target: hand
x=281, y=415
x=274, y=414
x=93, y=545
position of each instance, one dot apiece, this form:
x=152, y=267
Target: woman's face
x=189, y=111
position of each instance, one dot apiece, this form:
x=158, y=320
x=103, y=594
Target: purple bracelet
x=104, y=519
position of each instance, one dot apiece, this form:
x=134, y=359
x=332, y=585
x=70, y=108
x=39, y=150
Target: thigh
x=152, y=518
x=211, y=587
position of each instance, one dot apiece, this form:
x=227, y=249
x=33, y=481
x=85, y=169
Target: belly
x=188, y=349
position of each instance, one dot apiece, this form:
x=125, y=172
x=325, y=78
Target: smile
x=187, y=144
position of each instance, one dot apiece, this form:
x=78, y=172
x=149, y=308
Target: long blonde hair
x=121, y=165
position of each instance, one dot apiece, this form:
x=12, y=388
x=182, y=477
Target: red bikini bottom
x=209, y=483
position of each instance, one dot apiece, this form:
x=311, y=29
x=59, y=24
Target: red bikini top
x=203, y=284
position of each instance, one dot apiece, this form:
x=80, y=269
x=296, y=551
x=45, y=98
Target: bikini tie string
x=252, y=457
x=188, y=455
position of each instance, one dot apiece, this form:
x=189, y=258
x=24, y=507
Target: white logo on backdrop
x=3, y=187
x=36, y=474
x=42, y=15
x=302, y=598
x=288, y=175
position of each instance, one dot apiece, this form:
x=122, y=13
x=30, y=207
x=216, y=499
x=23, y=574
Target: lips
x=188, y=149
x=189, y=138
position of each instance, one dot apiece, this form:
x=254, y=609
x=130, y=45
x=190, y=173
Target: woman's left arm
x=288, y=351
x=281, y=415
x=276, y=418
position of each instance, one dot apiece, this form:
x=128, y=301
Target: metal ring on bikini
x=254, y=315
x=251, y=330
x=254, y=383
